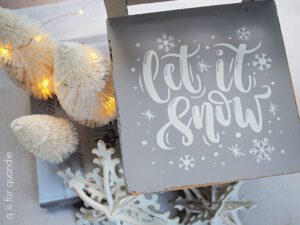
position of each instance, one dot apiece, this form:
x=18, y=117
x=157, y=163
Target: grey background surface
x=192, y=27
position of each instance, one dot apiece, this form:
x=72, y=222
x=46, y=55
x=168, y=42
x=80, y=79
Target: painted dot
x=144, y=142
x=147, y=132
x=216, y=154
x=203, y=158
x=215, y=163
x=179, y=41
x=223, y=132
x=138, y=45
x=229, y=38
x=220, y=146
x=135, y=87
x=269, y=131
x=282, y=151
x=281, y=132
x=153, y=163
x=207, y=47
x=153, y=149
x=254, y=73
x=213, y=37
x=194, y=41
x=138, y=123
x=139, y=103
x=278, y=118
x=223, y=163
x=133, y=69
x=220, y=52
x=273, y=83
x=269, y=121
x=248, y=64
x=138, y=59
x=171, y=162
x=238, y=135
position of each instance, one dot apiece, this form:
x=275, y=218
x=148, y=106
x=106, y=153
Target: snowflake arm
x=104, y=191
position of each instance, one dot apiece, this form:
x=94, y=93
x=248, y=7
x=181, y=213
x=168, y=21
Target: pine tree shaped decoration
x=49, y=138
x=84, y=85
x=26, y=52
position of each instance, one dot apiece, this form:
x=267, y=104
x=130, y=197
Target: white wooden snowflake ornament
x=212, y=205
x=105, y=197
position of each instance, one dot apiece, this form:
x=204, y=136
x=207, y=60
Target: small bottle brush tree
x=26, y=53
x=84, y=85
x=49, y=138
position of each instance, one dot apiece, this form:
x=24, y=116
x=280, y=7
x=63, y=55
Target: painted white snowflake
x=148, y=115
x=262, y=62
x=273, y=109
x=186, y=162
x=262, y=150
x=243, y=33
x=236, y=151
x=165, y=42
x=202, y=66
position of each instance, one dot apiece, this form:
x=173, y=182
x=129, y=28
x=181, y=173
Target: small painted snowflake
x=165, y=42
x=262, y=150
x=148, y=115
x=273, y=109
x=262, y=62
x=186, y=162
x=236, y=151
x=202, y=66
x=243, y=33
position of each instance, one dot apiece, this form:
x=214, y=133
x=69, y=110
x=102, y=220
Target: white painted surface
x=278, y=198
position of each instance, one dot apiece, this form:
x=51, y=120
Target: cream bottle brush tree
x=83, y=84
x=26, y=53
x=49, y=138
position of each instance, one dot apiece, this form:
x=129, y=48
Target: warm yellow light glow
x=46, y=83
x=4, y=51
x=80, y=12
x=111, y=104
x=94, y=55
x=44, y=87
x=38, y=38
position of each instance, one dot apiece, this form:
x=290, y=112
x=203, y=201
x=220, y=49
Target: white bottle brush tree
x=84, y=85
x=26, y=53
x=47, y=137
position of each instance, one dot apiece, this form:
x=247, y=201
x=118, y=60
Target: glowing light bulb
x=38, y=38
x=80, y=12
x=4, y=51
x=46, y=83
x=94, y=55
x=111, y=103
x=44, y=87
